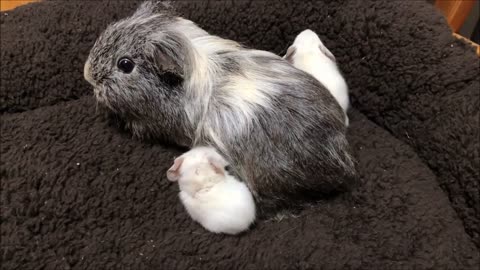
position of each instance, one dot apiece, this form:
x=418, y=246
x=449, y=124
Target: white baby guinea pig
x=212, y=197
x=309, y=54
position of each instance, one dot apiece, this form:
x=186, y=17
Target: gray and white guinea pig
x=211, y=196
x=309, y=54
x=168, y=79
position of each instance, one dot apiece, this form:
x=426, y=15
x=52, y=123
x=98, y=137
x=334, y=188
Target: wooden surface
x=456, y=11
x=11, y=4
x=468, y=41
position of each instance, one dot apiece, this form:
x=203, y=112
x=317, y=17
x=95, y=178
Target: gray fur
x=279, y=127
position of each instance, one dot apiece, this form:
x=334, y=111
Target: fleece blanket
x=77, y=193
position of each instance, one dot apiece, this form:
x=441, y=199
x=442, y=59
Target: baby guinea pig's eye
x=125, y=65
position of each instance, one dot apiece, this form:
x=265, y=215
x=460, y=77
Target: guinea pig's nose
x=87, y=73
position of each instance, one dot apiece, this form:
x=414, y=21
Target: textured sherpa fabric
x=77, y=193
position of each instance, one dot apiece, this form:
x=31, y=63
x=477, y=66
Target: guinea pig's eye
x=125, y=65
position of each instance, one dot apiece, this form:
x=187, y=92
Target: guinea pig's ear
x=173, y=174
x=169, y=56
x=168, y=61
x=327, y=52
x=290, y=53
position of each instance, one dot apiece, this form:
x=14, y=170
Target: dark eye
x=126, y=65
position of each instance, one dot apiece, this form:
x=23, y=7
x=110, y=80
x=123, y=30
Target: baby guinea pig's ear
x=173, y=174
x=290, y=53
x=327, y=52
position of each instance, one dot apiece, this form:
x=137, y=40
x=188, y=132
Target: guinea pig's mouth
x=99, y=93
x=97, y=90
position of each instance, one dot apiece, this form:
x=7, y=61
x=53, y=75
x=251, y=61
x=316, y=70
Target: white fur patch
x=240, y=94
x=244, y=92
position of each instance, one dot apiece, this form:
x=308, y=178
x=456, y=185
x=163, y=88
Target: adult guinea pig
x=168, y=79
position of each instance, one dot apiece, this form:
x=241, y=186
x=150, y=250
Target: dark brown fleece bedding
x=79, y=194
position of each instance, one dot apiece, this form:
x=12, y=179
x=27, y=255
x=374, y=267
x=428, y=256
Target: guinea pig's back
x=296, y=145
